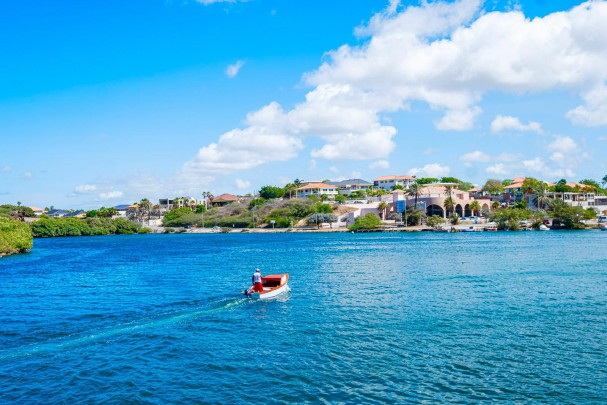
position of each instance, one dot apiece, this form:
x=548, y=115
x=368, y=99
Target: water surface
x=509, y=317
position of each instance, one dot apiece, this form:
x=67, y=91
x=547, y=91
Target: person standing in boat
x=257, y=282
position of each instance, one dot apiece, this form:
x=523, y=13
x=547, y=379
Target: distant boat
x=603, y=227
x=273, y=285
x=544, y=228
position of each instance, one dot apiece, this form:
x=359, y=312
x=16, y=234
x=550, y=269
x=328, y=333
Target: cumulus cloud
x=110, y=195
x=243, y=184
x=445, y=54
x=232, y=70
x=379, y=165
x=85, y=188
x=430, y=170
x=503, y=123
x=498, y=169
x=468, y=159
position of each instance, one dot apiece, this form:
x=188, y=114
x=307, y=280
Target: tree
x=434, y=221
x=208, y=196
x=322, y=218
x=449, y=205
x=271, y=192
x=541, y=198
x=383, y=206
x=415, y=190
x=426, y=180
x=367, y=222
x=475, y=207
x=398, y=187
x=495, y=205
x=604, y=181
x=450, y=180
x=340, y=198
x=493, y=187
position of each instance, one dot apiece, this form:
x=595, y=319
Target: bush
x=434, y=221
x=144, y=231
x=15, y=236
x=369, y=221
x=54, y=227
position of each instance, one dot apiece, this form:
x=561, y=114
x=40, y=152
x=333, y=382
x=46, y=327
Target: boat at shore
x=603, y=227
x=543, y=228
x=273, y=285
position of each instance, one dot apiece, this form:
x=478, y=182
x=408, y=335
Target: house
x=121, y=210
x=346, y=187
x=432, y=199
x=389, y=182
x=37, y=211
x=167, y=204
x=316, y=189
x=224, y=199
x=57, y=213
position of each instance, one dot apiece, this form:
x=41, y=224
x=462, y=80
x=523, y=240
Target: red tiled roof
x=225, y=197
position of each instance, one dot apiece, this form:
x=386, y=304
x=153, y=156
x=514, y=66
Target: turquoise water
x=371, y=318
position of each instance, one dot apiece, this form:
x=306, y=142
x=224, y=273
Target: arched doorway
x=435, y=210
x=459, y=211
x=467, y=211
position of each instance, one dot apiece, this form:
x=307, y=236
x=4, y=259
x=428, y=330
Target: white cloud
x=508, y=157
x=430, y=170
x=458, y=120
x=7, y=169
x=563, y=144
x=232, y=70
x=539, y=166
x=379, y=165
x=445, y=54
x=312, y=165
x=85, y=188
x=334, y=169
x=110, y=195
x=468, y=159
x=503, y=123
x=28, y=175
x=498, y=169
x=243, y=184
x=356, y=174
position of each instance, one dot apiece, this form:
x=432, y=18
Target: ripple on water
x=372, y=318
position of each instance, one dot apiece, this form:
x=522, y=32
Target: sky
x=108, y=102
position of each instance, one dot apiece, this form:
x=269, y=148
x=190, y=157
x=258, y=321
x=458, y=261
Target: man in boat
x=257, y=283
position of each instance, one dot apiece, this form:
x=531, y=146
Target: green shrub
x=15, y=236
x=144, y=231
x=368, y=221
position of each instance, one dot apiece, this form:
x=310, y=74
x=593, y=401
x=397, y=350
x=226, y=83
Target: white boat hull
x=270, y=294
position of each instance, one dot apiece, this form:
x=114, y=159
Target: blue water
x=371, y=318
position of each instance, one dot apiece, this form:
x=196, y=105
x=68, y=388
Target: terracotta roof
x=314, y=185
x=394, y=177
x=225, y=197
x=36, y=209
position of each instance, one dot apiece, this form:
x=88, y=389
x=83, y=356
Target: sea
x=507, y=317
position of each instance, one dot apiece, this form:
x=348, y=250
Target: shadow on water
x=213, y=306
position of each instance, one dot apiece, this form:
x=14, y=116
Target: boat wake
x=56, y=345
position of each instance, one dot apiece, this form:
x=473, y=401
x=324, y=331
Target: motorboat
x=603, y=227
x=273, y=285
x=543, y=228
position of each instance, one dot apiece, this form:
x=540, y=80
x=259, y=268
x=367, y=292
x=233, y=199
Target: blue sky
x=107, y=102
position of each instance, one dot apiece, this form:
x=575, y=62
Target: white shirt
x=257, y=277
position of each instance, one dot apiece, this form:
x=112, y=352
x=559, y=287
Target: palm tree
x=541, y=198
x=383, y=206
x=475, y=206
x=415, y=190
x=449, y=205
x=208, y=196
x=604, y=180
x=495, y=205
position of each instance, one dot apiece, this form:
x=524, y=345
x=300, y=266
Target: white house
x=389, y=182
x=316, y=189
x=346, y=187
